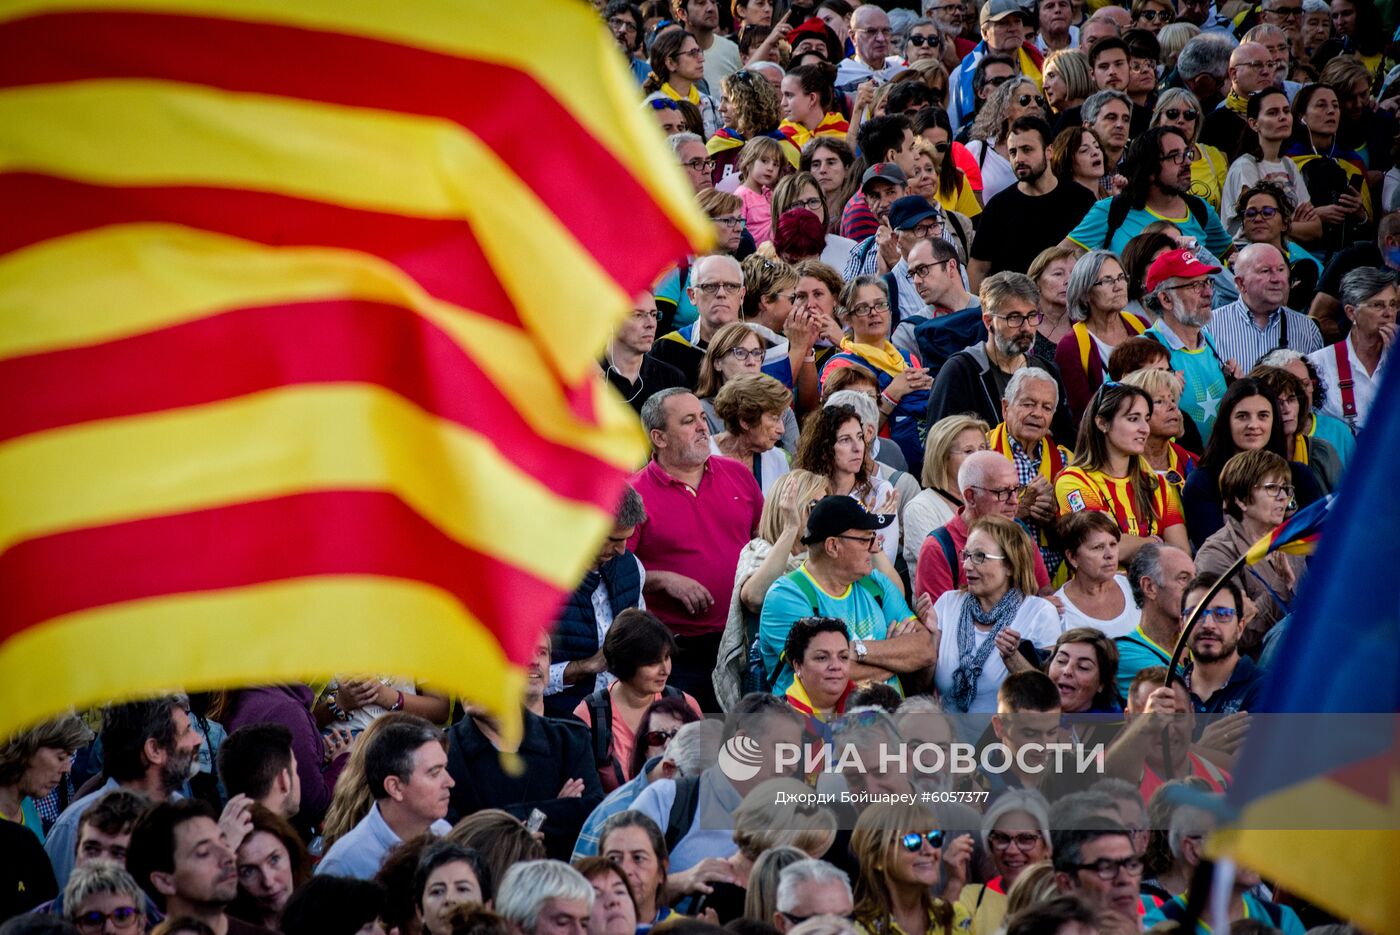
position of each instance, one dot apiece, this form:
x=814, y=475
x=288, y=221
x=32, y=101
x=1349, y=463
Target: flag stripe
x=78, y=46
x=321, y=342
x=335, y=533
x=242, y=637
x=47, y=309
x=441, y=255
x=293, y=440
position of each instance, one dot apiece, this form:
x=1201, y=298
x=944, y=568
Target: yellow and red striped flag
x=299, y=309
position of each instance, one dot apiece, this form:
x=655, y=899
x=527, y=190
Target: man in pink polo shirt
x=701, y=512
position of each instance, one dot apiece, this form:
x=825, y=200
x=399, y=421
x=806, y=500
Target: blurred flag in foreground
x=1318, y=783
x=299, y=308
x=1296, y=536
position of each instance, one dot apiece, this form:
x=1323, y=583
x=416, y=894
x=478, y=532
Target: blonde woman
x=735, y=350
x=351, y=800
x=1068, y=80
x=950, y=441
x=899, y=848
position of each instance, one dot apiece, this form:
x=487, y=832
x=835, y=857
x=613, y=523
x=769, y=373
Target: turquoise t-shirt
x=1135, y=653
x=1287, y=921
x=671, y=289
x=1205, y=380
x=786, y=604
x=1090, y=231
x=1335, y=432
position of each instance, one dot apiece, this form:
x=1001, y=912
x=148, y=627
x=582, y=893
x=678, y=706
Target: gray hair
x=807, y=871
x=695, y=748
x=1179, y=97
x=825, y=925
x=1207, y=54
x=1257, y=33
x=1025, y=375
x=1018, y=800
x=1081, y=281
x=860, y=402
x=527, y=885
x=1187, y=820
x=1316, y=6
x=1146, y=563
x=708, y=259
x=767, y=66
x=631, y=511
x=1363, y=283
x=96, y=878
x=873, y=721
x=1094, y=104
x=677, y=140
x=973, y=471
x=653, y=413
x=999, y=287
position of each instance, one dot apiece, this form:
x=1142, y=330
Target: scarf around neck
x=886, y=358
x=971, y=657
x=1235, y=103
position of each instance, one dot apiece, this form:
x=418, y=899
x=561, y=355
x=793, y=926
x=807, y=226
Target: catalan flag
x=1317, y=784
x=1297, y=535
x=299, y=308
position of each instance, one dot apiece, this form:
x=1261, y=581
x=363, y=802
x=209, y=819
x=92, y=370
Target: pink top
x=758, y=213
x=697, y=533
x=624, y=738
x=933, y=576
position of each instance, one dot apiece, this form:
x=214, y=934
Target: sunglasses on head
x=913, y=842
x=664, y=103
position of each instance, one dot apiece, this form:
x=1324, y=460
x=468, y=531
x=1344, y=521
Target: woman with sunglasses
x=1018, y=97
x=1016, y=833
x=1096, y=296
x=101, y=897
x=899, y=848
x=677, y=66
x=1256, y=488
x=1178, y=108
x=1152, y=15
x=660, y=722
x=981, y=629
x=1109, y=474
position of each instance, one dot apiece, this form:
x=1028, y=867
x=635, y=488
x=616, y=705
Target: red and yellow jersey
x=1078, y=489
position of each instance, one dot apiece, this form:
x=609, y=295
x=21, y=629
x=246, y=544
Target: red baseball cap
x=1176, y=264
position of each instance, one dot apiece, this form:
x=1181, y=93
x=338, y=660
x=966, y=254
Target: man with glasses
x=812, y=888
x=1096, y=861
x=717, y=291
x=1219, y=679
x=1178, y=290
x=1258, y=322
x=870, y=34
x=628, y=362
x=624, y=19
x=950, y=14
x=1287, y=15
x=839, y=579
x=993, y=70
x=907, y=221
x=1251, y=70
x=1035, y=213
x=951, y=317
x=1003, y=24
x=1350, y=370
x=988, y=485
x=695, y=159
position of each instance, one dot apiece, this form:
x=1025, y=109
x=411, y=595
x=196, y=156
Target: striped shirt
x=1238, y=337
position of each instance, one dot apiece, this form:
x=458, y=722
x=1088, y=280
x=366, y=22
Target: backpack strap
x=804, y=584
x=683, y=807
x=870, y=586
x=892, y=286
x=600, y=715
x=950, y=554
x=1345, y=384
x=1117, y=213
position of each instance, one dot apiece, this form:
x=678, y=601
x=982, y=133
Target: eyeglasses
x=945, y=7
x=997, y=81
x=659, y=738
x=696, y=52
x=927, y=228
x=813, y=205
x=1223, y=614
x=626, y=25
x=729, y=220
x=913, y=842
x=696, y=165
x=123, y=917
x=1153, y=16
x=744, y=354
x=923, y=269
x=870, y=308
x=1288, y=11
x=1262, y=65
x=883, y=31
x=1106, y=868
x=715, y=288
x=1182, y=157
x=1277, y=491
x=977, y=558
x=1024, y=841
x=664, y=103
x=919, y=42
x=1200, y=285
x=1393, y=305
x=1112, y=280
x=642, y=314
x=1001, y=495
x=1175, y=113
x=870, y=542
x=1265, y=212
x=1016, y=321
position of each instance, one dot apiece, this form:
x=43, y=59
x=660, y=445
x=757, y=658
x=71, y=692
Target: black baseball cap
x=837, y=514
x=910, y=211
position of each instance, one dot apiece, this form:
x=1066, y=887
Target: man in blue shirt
x=1220, y=680
x=839, y=580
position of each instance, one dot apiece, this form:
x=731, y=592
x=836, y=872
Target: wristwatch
x=859, y=646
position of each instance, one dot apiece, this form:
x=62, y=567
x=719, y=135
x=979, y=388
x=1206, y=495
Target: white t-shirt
x=997, y=174
x=1036, y=620
x=922, y=515
x=1121, y=625
x=838, y=250
x=1247, y=170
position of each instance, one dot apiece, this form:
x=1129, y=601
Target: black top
x=1016, y=227
x=1227, y=131
x=654, y=377
x=26, y=876
x=678, y=355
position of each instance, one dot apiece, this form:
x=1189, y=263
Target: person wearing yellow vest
x=1109, y=473
x=1028, y=407
x=1096, y=295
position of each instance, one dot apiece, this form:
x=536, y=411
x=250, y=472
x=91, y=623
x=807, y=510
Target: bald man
x=1251, y=70
x=1258, y=322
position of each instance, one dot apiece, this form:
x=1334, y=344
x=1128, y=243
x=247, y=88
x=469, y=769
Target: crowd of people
x=1025, y=321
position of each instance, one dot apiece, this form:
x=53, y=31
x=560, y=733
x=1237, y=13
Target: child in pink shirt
x=760, y=163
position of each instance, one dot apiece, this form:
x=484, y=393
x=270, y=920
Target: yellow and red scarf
x=1051, y=463
x=800, y=136
x=886, y=358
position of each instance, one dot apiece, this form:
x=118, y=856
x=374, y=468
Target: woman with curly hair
x=749, y=109
x=1018, y=97
x=899, y=849
x=832, y=445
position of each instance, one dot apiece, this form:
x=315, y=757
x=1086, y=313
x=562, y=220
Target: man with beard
x=1158, y=167
x=1035, y=213
x=180, y=856
x=975, y=379
x=148, y=747
x=1220, y=680
x=1178, y=291
x=700, y=513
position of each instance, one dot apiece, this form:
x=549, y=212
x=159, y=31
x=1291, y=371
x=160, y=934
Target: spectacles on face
x=1112, y=280
x=1001, y=495
x=1393, y=305
x=623, y=24
x=1265, y=212
x=696, y=52
x=1176, y=113
x=978, y=557
x=123, y=917
x=1181, y=157
x=715, y=288
x=730, y=220
x=913, y=842
x=1156, y=16
x=1025, y=841
x=927, y=228
x=1201, y=285
x=813, y=205
x=923, y=270
x=1017, y=320
x=1106, y=868
x=659, y=738
x=995, y=82
x=699, y=165
x=871, y=542
x=919, y=42
x=866, y=309
x=1276, y=491
x=745, y=354
x=1286, y=11
x=644, y=314
x=1223, y=614
x=878, y=31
